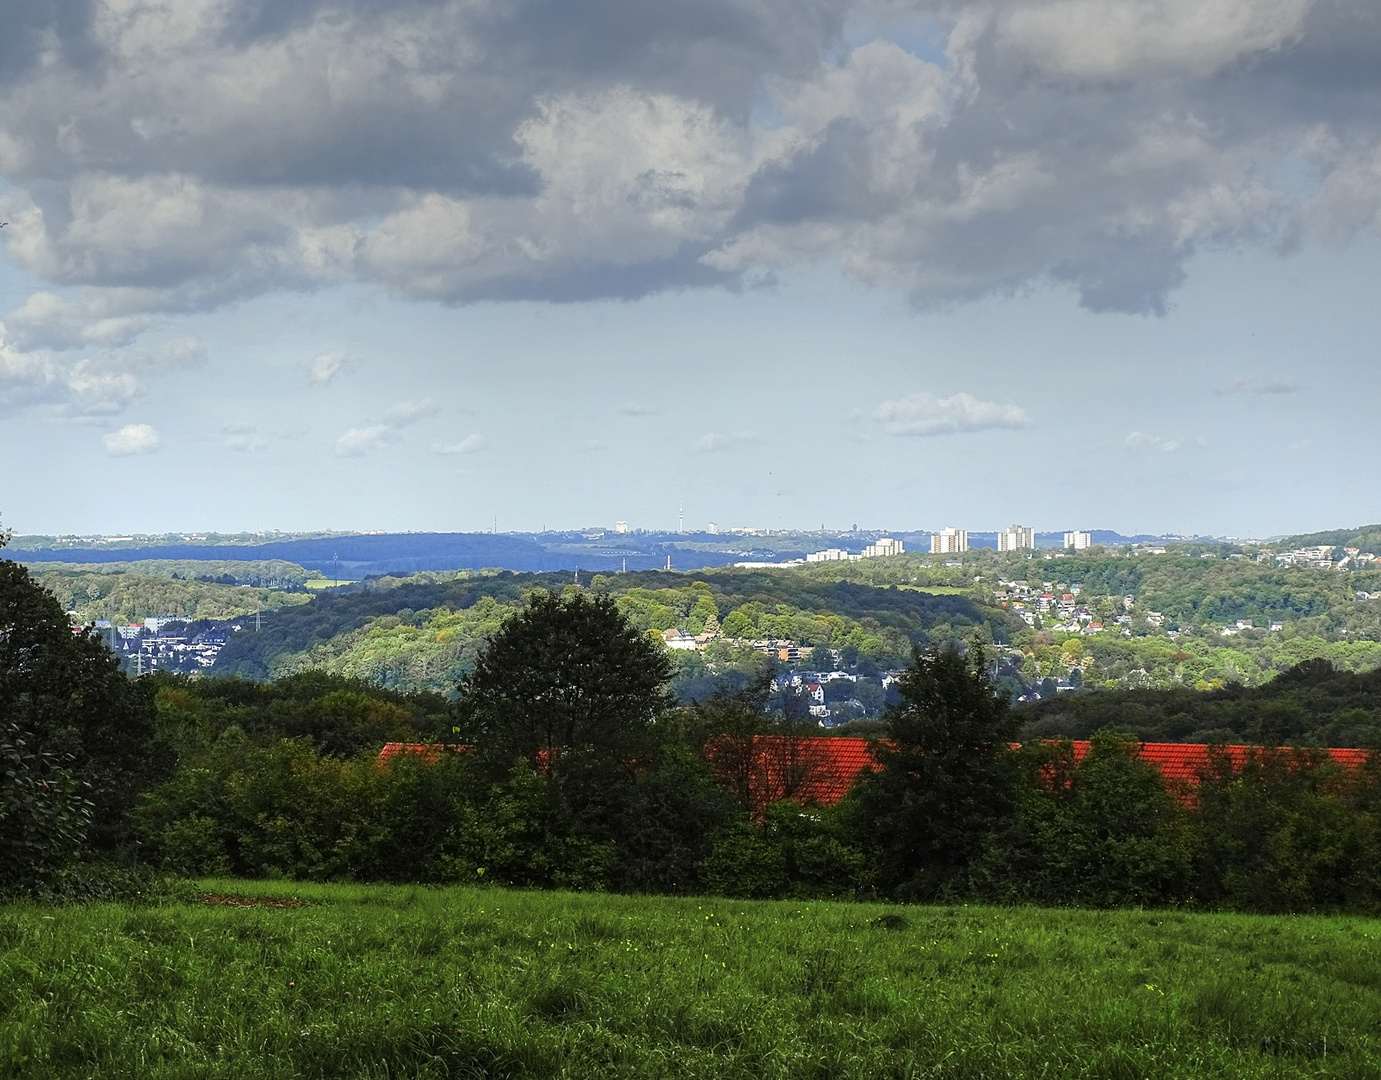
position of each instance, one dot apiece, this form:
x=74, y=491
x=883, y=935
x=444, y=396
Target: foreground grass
x=393, y=982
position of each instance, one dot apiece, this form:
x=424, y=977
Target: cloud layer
x=164, y=156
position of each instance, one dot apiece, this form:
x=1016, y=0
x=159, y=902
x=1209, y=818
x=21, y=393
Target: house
x=678, y=639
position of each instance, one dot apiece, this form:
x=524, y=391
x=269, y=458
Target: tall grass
x=411, y=982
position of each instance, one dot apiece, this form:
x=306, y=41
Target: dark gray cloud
x=164, y=156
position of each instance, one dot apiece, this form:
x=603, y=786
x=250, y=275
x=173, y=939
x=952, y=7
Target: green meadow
x=377, y=981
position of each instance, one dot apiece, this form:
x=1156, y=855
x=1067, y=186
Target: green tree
x=947, y=779
x=570, y=688
x=64, y=695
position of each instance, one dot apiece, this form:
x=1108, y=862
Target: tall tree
x=568, y=686
x=947, y=777
x=65, y=699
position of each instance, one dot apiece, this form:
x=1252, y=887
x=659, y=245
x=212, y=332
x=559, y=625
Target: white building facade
x=1079, y=541
x=949, y=541
x=1016, y=538
x=885, y=546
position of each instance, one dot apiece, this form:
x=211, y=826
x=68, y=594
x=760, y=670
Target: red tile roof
x=820, y=769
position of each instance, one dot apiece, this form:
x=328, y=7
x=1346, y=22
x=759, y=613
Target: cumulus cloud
x=365, y=440
x=926, y=414
x=1257, y=387
x=471, y=444
x=713, y=443
x=326, y=367
x=165, y=156
x=132, y=439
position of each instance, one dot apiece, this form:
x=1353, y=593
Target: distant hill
x=1363, y=537
x=1310, y=704
x=387, y=553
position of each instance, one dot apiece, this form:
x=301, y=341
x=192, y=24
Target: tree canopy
x=566, y=676
x=946, y=777
x=63, y=696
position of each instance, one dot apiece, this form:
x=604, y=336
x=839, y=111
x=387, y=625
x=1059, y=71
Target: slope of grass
x=392, y=982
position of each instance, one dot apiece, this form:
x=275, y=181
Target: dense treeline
x=426, y=631
x=1310, y=704
x=121, y=596
x=564, y=761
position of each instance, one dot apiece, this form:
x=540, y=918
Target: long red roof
x=821, y=769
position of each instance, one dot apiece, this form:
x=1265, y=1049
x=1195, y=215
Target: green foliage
x=44, y=816
x=341, y=716
x=795, y=851
x=123, y=591
x=1102, y=833
x=567, y=684
x=426, y=631
x=945, y=781
x=64, y=694
x=1311, y=703
x=1291, y=831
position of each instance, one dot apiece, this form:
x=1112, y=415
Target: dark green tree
x=947, y=779
x=64, y=695
x=568, y=687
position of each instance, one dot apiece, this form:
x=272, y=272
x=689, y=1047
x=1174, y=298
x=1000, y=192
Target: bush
x=44, y=815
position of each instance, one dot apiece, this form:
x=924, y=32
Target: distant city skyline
x=437, y=266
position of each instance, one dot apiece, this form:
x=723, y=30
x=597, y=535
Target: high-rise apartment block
x=884, y=546
x=620, y=526
x=1016, y=538
x=949, y=541
x=1078, y=540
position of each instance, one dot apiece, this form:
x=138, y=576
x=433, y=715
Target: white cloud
x=636, y=408
x=409, y=412
x=1121, y=39
x=1257, y=387
x=1141, y=440
x=713, y=442
x=326, y=367
x=359, y=441
x=471, y=444
x=132, y=439
x=926, y=414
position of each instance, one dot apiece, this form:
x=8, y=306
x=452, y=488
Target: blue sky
x=904, y=265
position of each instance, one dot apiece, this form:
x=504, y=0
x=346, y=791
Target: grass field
x=412, y=982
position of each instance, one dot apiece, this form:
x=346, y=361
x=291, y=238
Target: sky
x=457, y=265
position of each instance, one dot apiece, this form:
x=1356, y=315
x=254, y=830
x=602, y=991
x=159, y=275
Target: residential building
x=1016, y=538
x=949, y=541
x=678, y=639
x=885, y=546
x=832, y=555
x=713, y=529
x=1078, y=540
x=620, y=526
